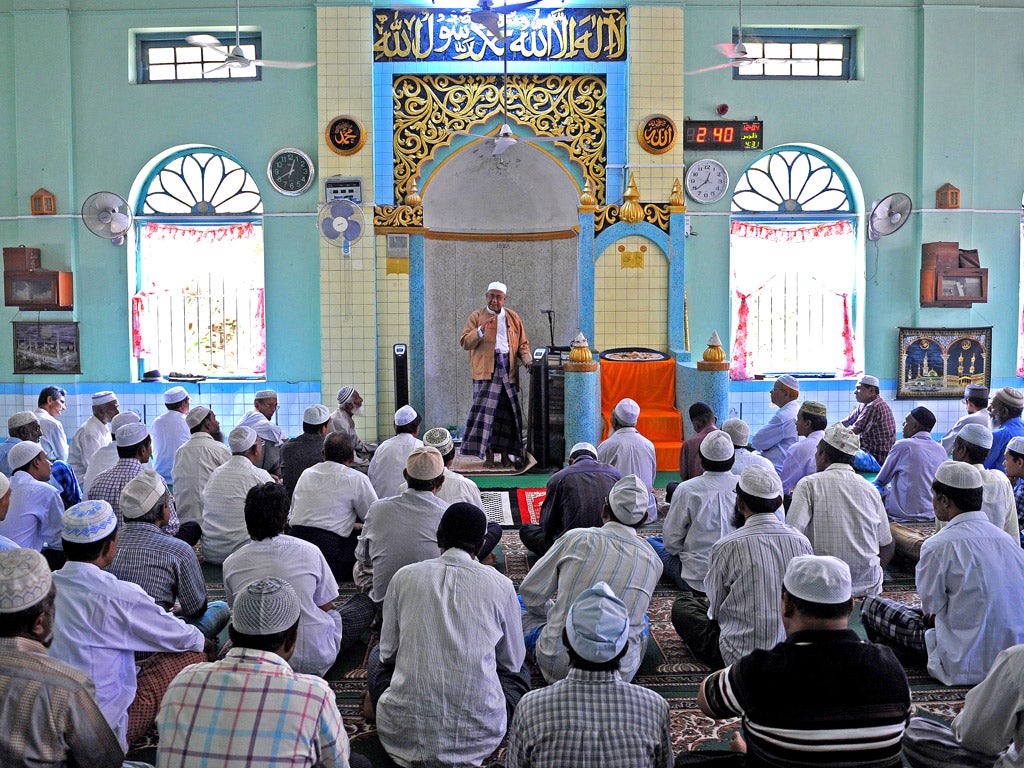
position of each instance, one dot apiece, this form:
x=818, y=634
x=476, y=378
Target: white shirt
x=744, y=582
x=978, y=417
x=34, y=515
x=578, y=559
x=89, y=438
x=632, y=454
x=776, y=437
x=170, y=432
x=388, y=463
x=744, y=458
x=501, y=334
x=991, y=721
x=194, y=462
x=971, y=578
x=450, y=624
x=799, y=462
x=303, y=566
x=54, y=440
x=997, y=501
x=332, y=497
x=700, y=514
x=224, y=528
x=105, y=458
x=102, y=622
x=263, y=427
x=842, y=515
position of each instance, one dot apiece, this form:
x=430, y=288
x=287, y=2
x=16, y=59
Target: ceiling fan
x=506, y=137
x=486, y=14
x=233, y=55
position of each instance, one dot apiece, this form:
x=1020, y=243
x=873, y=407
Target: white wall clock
x=707, y=181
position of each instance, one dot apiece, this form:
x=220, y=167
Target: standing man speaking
x=496, y=341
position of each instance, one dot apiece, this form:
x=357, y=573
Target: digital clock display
x=723, y=134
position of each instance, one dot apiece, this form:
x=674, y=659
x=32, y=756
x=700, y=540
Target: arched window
x=796, y=266
x=198, y=304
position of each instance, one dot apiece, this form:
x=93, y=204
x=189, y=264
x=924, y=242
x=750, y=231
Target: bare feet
x=366, y=708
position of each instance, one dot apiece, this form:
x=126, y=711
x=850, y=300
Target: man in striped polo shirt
x=823, y=696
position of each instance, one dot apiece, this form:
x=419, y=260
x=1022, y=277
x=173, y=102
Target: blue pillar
x=582, y=405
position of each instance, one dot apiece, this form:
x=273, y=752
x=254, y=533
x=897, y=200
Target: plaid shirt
x=166, y=567
x=108, y=486
x=249, y=709
x=1018, y=495
x=590, y=718
x=876, y=426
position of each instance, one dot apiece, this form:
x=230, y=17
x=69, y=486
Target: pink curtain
x=155, y=231
x=261, y=323
x=140, y=336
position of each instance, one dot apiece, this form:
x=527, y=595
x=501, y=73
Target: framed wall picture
x=940, y=362
x=46, y=348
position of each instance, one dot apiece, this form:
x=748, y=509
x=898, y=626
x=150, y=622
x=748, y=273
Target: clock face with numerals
x=707, y=181
x=291, y=171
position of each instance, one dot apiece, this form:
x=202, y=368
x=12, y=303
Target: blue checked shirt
x=590, y=720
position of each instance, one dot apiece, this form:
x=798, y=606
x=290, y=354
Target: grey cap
x=196, y=415
x=265, y=607
x=439, y=438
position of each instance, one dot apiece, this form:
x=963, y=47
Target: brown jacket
x=481, y=350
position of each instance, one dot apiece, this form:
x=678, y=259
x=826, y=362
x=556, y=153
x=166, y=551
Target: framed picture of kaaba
x=46, y=348
x=940, y=362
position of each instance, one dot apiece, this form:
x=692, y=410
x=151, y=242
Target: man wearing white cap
x=307, y=449
x=170, y=431
x=821, y=697
x=970, y=579
x=842, y=514
x=1005, y=415
x=290, y=718
x=330, y=503
x=776, y=437
x=103, y=621
x=624, y=724
x=872, y=419
x=976, y=400
x=388, y=462
x=1014, y=466
x=106, y=457
x=271, y=553
x=224, y=496
x=166, y=567
x=630, y=452
x=5, y=505
x=258, y=418
x=449, y=670
x=23, y=425
x=743, y=455
x=811, y=421
x=973, y=445
x=350, y=405
x=51, y=405
x=905, y=478
x=195, y=461
x=741, y=612
x=455, y=488
x=497, y=344
x=699, y=515
x=574, y=498
x=63, y=725
x=402, y=529
x=93, y=434
x=613, y=553
x=33, y=518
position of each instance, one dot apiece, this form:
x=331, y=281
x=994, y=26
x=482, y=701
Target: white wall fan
x=107, y=215
x=889, y=214
x=234, y=58
x=341, y=223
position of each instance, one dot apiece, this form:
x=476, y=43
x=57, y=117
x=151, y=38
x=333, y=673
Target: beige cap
x=813, y=406
x=20, y=419
x=196, y=414
x=842, y=439
x=425, y=463
x=1011, y=396
x=141, y=494
x=25, y=579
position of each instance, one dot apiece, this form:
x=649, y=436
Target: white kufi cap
x=717, y=446
x=976, y=434
x=265, y=394
x=496, y=286
x=88, y=521
x=23, y=453
x=25, y=579
x=583, y=448
x=141, y=494
x=241, y=439
x=124, y=417
x=196, y=415
x=175, y=395
x=597, y=624
x=405, y=415
x=627, y=411
x=629, y=500
x=21, y=419
x=104, y=397
x=958, y=474
x=761, y=481
x=131, y=434
x=869, y=380
x=439, y=438
x=842, y=439
x=316, y=415
x=818, y=579
x=738, y=430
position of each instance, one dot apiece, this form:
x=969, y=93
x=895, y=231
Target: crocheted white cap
x=5, y=485
x=439, y=438
x=976, y=434
x=241, y=439
x=265, y=607
x=818, y=579
x=717, y=446
x=131, y=434
x=791, y=383
x=761, y=481
x=1016, y=445
x=627, y=411
x=597, y=624
x=316, y=414
x=22, y=453
x=175, y=395
x=738, y=430
x=20, y=419
x=957, y=474
x=124, y=417
x=265, y=394
x=405, y=415
x=25, y=579
x=868, y=380
x=629, y=499
x=842, y=439
x=196, y=414
x=141, y=494
x=88, y=521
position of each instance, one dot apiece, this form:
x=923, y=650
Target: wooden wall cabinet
x=951, y=276
x=39, y=289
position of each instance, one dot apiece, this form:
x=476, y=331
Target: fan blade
x=729, y=50
x=710, y=69
x=489, y=21
x=119, y=222
x=106, y=201
x=474, y=135
x=342, y=209
x=327, y=227
x=538, y=139
x=205, y=41
x=353, y=231
x=219, y=66
x=283, y=64
x=513, y=7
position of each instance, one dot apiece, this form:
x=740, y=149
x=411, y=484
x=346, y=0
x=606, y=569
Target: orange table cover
x=652, y=383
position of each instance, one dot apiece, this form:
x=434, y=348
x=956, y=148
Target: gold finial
x=630, y=210
x=675, y=199
x=587, y=198
x=579, y=351
x=714, y=356
x=412, y=194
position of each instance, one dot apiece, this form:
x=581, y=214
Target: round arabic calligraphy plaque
x=345, y=135
x=657, y=134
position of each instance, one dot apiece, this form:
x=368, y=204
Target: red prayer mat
x=530, y=500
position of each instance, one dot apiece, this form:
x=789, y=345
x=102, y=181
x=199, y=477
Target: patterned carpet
x=668, y=668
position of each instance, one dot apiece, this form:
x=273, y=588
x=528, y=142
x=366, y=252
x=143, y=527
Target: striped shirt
x=249, y=709
x=108, y=486
x=166, y=567
x=744, y=583
x=579, y=559
x=590, y=719
x=822, y=697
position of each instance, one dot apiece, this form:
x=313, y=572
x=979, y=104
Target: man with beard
x=1004, y=411
x=350, y=404
x=741, y=611
x=195, y=461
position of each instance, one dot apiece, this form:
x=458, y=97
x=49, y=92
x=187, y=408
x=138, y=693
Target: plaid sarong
x=495, y=422
x=893, y=623
x=154, y=676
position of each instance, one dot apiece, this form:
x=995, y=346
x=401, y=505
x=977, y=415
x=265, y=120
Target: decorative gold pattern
x=396, y=217
x=587, y=200
x=630, y=211
x=428, y=110
x=412, y=194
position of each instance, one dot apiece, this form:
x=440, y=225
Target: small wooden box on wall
x=951, y=276
x=27, y=286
